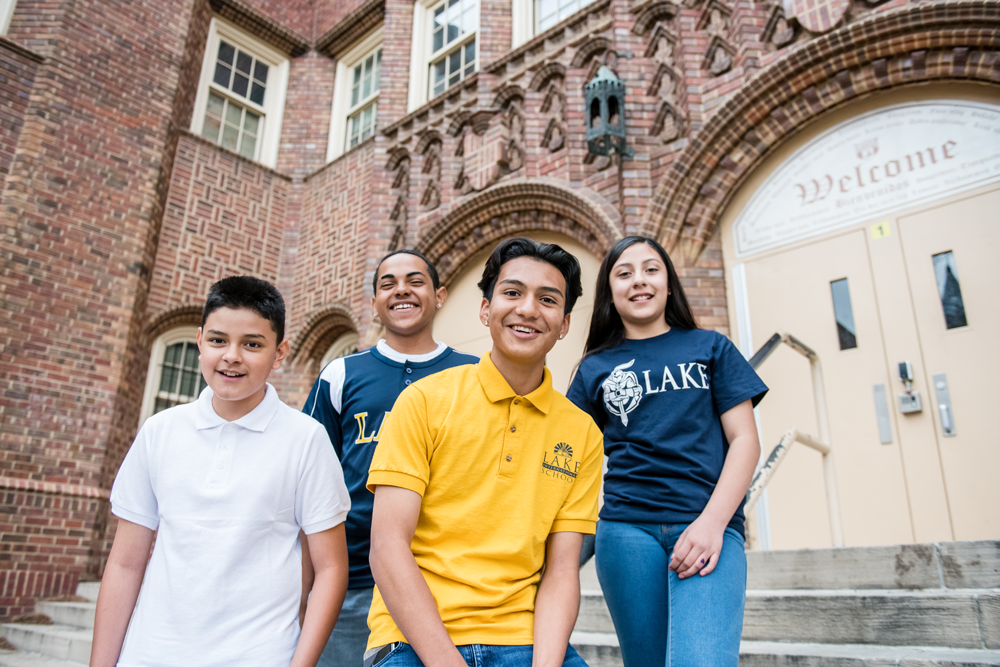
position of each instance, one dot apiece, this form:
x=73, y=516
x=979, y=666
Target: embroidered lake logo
x=622, y=392
x=560, y=463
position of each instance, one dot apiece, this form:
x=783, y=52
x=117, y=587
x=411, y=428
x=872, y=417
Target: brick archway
x=320, y=328
x=518, y=207
x=939, y=41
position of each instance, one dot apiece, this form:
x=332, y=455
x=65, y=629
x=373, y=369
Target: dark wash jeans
x=480, y=655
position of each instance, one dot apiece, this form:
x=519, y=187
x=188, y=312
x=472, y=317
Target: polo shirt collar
x=497, y=388
x=256, y=420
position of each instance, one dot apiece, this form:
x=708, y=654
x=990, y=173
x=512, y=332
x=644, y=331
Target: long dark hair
x=606, y=327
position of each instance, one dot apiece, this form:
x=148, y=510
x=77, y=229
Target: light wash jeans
x=347, y=643
x=662, y=620
x=480, y=655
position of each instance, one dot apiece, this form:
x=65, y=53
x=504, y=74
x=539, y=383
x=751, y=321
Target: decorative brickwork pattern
x=904, y=46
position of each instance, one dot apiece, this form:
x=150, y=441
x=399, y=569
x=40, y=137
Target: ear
x=564, y=329
x=484, y=312
x=197, y=339
x=280, y=354
x=374, y=311
x=442, y=295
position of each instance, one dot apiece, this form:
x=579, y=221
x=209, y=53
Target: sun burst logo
x=562, y=449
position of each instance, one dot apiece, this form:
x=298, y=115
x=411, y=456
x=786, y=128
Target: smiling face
x=639, y=290
x=238, y=349
x=527, y=313
x=405, y=299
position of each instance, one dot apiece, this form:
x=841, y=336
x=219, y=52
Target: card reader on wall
x=909, y=401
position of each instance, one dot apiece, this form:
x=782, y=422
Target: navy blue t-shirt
x=352, y=397
x=658, y=402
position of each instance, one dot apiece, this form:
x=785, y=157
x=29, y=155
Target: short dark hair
x=251, y=293
x=521, y=246
x=416, y=253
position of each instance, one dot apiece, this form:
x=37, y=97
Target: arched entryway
x=871, y=237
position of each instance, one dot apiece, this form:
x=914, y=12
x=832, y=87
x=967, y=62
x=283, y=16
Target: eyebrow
x=543, y=288
x=408, y=275
x=216, y=332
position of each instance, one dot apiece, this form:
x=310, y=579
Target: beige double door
x=922, y=476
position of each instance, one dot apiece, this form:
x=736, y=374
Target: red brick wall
x=17, y=74
x=330, y=12
x=294, y=15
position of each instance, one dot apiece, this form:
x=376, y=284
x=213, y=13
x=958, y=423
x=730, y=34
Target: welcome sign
x=872, y=165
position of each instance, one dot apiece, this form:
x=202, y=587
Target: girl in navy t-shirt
x=675, y=403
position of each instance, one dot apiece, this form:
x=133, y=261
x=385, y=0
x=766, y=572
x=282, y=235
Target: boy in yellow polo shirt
x=485, y=481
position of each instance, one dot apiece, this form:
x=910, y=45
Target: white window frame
x=522, y=15
x=268, y=139
x=420, y=50
x=342, y=91
x=6, y=12
x=340, y=347
x=185, y=334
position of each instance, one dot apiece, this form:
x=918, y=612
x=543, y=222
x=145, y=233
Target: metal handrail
x=793, y=435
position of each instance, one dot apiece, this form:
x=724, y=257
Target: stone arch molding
x=321, y=326
x=937, y=41
x=517, y=207
x=187, y=314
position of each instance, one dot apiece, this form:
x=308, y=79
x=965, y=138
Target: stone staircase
x=917, y=605
x=66, y=643
x=910, y=605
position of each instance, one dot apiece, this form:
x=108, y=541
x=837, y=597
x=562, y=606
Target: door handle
x=944, y=405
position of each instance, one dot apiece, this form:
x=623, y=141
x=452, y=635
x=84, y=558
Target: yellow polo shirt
x=498, y=473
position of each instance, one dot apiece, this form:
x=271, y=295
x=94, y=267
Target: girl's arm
x=700, y=545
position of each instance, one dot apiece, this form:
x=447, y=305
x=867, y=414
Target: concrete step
x=78, y=614
x=55, y=641
x=781, y=654
x=88, y=589
x=601, y=650
x=953, y=565
x=21, y=659
x=955, y=619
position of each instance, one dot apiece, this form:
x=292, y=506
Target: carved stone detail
x=779, y=30
x=401, y=210
x=554, y=106
x=719, y=58
x=431, y=198
x=513, y=154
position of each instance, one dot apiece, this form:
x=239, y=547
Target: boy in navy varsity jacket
x=352, y=398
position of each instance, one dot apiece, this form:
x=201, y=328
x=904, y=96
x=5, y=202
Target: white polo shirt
x=224, y=581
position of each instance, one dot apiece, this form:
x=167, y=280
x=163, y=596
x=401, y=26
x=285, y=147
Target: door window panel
x=843, y=314
x=949, y=290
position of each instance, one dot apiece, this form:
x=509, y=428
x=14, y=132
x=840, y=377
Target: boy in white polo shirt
x=228, y=481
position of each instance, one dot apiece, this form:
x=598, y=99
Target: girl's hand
x=698, y=548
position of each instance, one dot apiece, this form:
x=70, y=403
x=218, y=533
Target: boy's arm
x=558, y=601
x=328, y=554
x=119, y=591
x=307, y=576
x=399, y=581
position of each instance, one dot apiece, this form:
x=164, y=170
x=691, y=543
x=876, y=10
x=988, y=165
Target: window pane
x=247, y=145
x=260, y=72
x=455, y=62
x=438, y=41
x=240, y=85
x=213, y=117
x=243, y=62
x=251, y=122
x=367, y=87
x=354, y=123
x=190, y=355
x=226, y=53
x=257, y=94
x=470, y=52
x=453, y=32
x=188, y=382
x=949, y=290
x=222, y=74
x=234, y=114
x=844, y=314
x=230, y=135
x=378, y=69
x=469, y=18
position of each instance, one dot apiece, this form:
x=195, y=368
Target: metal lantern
x=605, y=99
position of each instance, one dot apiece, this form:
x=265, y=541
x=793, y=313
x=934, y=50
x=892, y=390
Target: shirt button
x=517, y=401
x=225, y=447
x=408, y=381
x=220, y=466
x=513, y=428
x=409, y=370
x=509, y=458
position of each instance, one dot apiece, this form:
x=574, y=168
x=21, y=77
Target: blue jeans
x=480, y=655
x=346, y=646
x=664, y=621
